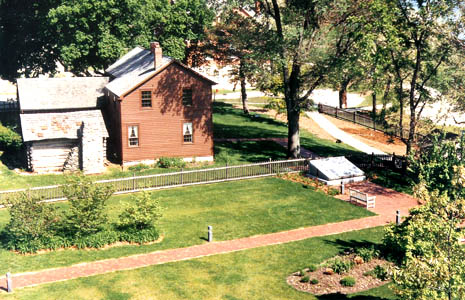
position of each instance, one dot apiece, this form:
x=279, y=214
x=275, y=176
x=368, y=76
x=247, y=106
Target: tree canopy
x=93, y=34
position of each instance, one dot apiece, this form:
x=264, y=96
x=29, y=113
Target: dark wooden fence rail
x=369, y=161
x=362, y=118
x=10, y=105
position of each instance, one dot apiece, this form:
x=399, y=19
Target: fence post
x=372, y=159
x=398, y=217
x=374, y=124
x=336, y=111
x=182, y=176
x=227, y=170
x=210, y=233
x=269, y=167
x=9, y=283
x=133, y=181
x=355, y=112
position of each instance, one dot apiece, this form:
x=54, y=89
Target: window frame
x=191, y=134
x=191, y=96
x=142, y=99
x=138, y=135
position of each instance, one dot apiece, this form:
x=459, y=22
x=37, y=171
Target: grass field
x=256, y=274
x=234, y=209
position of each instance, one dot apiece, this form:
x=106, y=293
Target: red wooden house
x=157, y=107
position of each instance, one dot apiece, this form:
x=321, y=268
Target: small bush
x=367, y=253
x=138, y=167
x=87, y=206
x=314, y=281
x=171, y=162
x=31, y=223
x=333, y=192
x=381, y=273
x=142, y=213
x=10, y=140
x=340, y=265
x=305, y=279
x=348, y=281
x=312, y=268
x=302, y=272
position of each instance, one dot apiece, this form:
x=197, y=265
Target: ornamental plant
x=86, y=214
x=141, y=213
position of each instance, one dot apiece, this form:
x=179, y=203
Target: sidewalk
x=329, y=127
x=387, y=202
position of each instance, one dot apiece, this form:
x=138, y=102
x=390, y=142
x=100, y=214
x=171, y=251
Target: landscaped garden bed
x=345, y=274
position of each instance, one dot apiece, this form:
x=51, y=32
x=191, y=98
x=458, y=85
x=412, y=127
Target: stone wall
x=92, y=148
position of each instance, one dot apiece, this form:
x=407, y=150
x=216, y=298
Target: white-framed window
x=133, y=136
x=187, y=132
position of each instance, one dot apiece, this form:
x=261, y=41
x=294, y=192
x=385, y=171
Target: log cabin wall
x=161, y=125
x=50, y=155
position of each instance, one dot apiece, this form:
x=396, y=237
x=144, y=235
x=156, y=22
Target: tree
x=233, y=41
x=27, y=44
x=304, y=40
x=421, y=36
x=93, y=34
x=433, y=265
x=87, y=205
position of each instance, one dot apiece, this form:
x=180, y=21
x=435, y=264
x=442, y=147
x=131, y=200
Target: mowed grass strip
x=256, y=274
x=234, y=209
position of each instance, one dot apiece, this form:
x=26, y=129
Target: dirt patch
x=330, y=284
x=373, y=138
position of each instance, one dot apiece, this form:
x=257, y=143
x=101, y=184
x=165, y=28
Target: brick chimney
x=157, y=54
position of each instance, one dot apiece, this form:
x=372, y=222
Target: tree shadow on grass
x=351, y=244
x=338, y=296
x=250, y=151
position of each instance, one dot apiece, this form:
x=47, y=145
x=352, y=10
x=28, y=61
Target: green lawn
x=234, y=209
x=258, y=274
x=232, y=123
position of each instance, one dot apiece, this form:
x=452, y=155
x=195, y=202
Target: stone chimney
x=157, y=54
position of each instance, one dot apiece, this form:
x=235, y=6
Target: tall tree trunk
x=400, y=98
x=373, y=97
x=343, y=94
x=387, y=90
x=291, y=90
x=293, y=134
x=245, y=108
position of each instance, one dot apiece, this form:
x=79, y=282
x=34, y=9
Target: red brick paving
x=387, y=202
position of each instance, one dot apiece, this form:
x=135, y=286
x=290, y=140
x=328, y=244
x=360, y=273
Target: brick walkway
x=387, y=202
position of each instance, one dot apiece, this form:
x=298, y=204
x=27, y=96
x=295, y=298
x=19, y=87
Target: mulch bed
x=330, y=284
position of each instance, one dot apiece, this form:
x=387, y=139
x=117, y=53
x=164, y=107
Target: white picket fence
x=176, y=179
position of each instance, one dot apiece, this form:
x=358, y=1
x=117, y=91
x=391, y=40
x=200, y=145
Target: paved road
x=346, y=138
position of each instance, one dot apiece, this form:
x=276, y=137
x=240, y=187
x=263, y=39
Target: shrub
x=171, y=162
x=348, y=281
x=314, y=281
x=10, y=140
x=333, y=192
x=305, y=279
x=87, y=206
x=312, y=268
x=381, y=273
x=302, y=272
x=139, y=236
x=340, y=265
x=138, y=167
x=31, y=223
x=141, y=213
x=367, y=253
